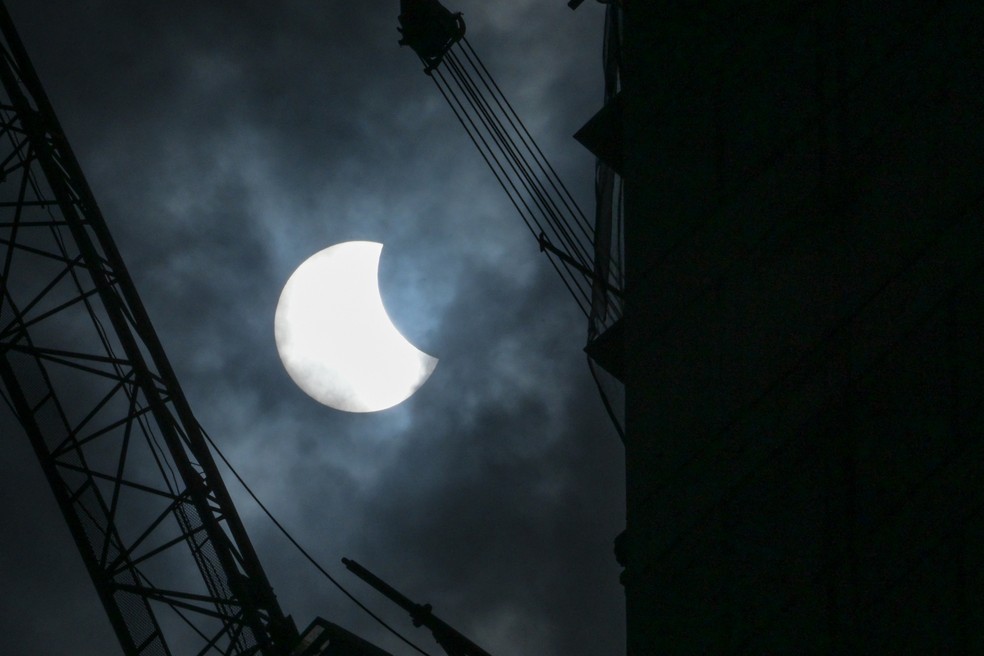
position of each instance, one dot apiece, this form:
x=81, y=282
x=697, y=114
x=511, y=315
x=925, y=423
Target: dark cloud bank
x=226, y=144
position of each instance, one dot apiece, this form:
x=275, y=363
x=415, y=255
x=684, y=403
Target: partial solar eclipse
x=336, y=340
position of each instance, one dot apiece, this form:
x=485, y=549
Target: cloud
x=227, y=143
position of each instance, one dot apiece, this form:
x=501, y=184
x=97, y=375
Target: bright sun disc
x=336, y=340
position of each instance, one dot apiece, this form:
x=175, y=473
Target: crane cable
x=522, y=164
x=546, y=203
x=305, y=553
x=533, y=186
x=553, y=178
x=587, y=258
x=502, y=177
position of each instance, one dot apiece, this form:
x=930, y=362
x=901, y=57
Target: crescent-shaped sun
x=336, y=340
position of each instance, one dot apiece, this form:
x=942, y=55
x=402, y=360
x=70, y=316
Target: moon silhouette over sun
x=336, y=340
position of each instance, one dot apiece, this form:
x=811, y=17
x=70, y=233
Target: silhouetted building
x=804, y=327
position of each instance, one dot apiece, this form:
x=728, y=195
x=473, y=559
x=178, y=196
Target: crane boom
x=86, y=376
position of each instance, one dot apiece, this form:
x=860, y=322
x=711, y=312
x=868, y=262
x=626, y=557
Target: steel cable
x=498, y=170
x=552, y=212
x=303, y=551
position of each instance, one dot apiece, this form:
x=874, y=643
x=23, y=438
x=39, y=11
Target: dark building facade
x=805, y=369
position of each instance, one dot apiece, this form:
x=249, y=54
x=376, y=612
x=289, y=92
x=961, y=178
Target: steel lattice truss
x=83, y=371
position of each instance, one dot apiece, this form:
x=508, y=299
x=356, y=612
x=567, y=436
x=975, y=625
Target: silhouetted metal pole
x=447, y=636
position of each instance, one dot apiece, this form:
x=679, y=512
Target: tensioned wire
x=500, y=99
x=521, y=165
x=304, y=552
x=499, y=172
x=571, y=282
x=487, y=117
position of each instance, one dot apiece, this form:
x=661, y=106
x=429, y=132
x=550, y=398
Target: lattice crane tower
x=86, y=376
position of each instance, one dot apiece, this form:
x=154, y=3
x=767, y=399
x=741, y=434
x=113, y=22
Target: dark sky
x=227, y=142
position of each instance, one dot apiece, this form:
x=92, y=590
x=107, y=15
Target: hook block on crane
x=430, y=29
